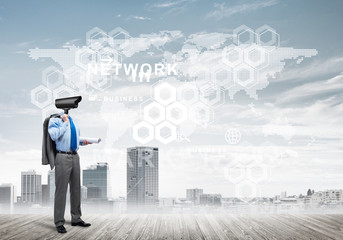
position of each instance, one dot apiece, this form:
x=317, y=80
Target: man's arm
x=84, y=142
x=57, y=128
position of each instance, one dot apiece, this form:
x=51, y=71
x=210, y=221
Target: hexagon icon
x=257, y=172
x=177, y=113
x=41, y=96
x=267, y=36
x=165, y=132
x=84, y=57
x=201, y=114
x=245, y=76
x=63, y=91
x=97, y=38
x=223, y=78
x=164, y=93
x=244, y=36
x=235, y=172
x=76, y=78
x=121, y=39
x=143, y=132
x=246, y=190
x=188, y=93
x=211, y=95
x=154, y=113
x=255, y=56
x=52, y=77
x=232, y=56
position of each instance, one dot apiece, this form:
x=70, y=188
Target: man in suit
x=66, y=135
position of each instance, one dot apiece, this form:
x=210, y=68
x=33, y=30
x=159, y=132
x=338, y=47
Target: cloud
x=316, y=68
x=171, y=4
x=20, y=52
x=3, y=140
x=173, y=7
x=313, y=90
x=25, y=44
x=223, y=11
x=141, y=18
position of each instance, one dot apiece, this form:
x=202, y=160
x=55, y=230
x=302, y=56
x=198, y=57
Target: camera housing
x=67, y=103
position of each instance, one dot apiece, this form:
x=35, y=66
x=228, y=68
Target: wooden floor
x=329, y=226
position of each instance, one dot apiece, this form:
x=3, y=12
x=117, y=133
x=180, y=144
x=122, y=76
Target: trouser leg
x=75, y=190
x=63, y=167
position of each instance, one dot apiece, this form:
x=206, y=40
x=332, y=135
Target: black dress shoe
x=81, y=224
x=61, y=229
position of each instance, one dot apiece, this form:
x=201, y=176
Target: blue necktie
x=73, y=139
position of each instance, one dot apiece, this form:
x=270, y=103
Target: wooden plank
x=148, y=229
x=297, y=226
x=178, y=226
x=254, y=225
x=276, y=229
x=221, y=228
x=10, y=230
x=209, y=228
x=194, y=231
x=325, y=227
x=231, y=222
x=111, y=226
x=125, y=229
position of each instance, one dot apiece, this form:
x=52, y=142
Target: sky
x=291, y=128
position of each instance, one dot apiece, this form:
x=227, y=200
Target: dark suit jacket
x=48, y=145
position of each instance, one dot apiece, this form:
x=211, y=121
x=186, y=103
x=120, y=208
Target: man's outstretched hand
x=85, y=142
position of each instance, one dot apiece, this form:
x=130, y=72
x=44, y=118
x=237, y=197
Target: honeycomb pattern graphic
x=173, y=106
x=84, y=69
x=249, y=170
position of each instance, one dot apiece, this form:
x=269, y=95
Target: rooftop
x=177, y=226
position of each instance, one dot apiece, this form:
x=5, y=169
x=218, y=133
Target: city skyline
x=32, y=180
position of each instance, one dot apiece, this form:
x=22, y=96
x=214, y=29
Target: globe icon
x=233, y=136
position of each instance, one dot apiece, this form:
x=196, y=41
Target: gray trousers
x=67, y=170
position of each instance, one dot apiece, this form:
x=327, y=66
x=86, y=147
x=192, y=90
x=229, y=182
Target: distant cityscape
x=143, y=192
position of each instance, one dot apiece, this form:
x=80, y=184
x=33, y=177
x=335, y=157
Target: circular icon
x=233, y=136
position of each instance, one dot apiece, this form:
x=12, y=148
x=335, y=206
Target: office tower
x=194, y=195
x=31, y=187
x=283, y=195
x=97, y=180
x=142, y=176
x=83, y=192
x=211, y=199
x=51, y=184
x=45, y=195
x=7, y=196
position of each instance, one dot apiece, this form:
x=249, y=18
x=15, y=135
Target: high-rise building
x=211, y=199
x=194, y=195
x=283, y=195
x=7, y=197
x=97, y=178
x=51, y=184
x=142, y=176
x=83, y=192
x=45, y=195
x=31, y=187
